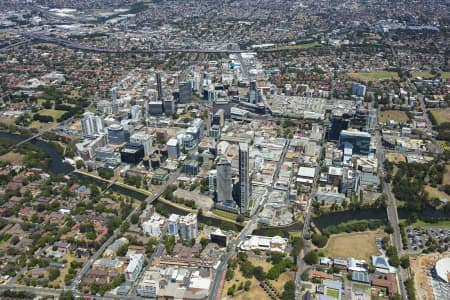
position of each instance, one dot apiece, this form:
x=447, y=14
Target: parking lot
x=420, y=239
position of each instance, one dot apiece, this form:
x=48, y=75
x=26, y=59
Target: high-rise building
x=132, y=154
x=244, y=178
x=113, y=92
x=136, y=113
x=358, y=89
x=159, y=88
x=212, y=181
x=224, y=181
x=188, y=227
x=185, y=91
x=169, y=106
x=358, y=140
x=173, y=148
x=172, y=224
x=91, y=125
x=145, y=140
x=253, y=94
x=371, y=119
x=116, y=134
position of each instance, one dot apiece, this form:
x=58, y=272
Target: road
x=249, y=227
x=391, y=211
x=116, y=232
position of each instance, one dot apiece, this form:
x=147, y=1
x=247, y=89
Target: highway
x=116, y=232
x=249, y=227
x=78, y=46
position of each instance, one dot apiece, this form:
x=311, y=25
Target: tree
x=404, y=262
x=311, y=258
x=53, y=273
x=289, y=290
x=134, y=218
x=247, y=285
x=259, y=273
x=229, y=274
x=67, y=295
x=240, y=218
x=122, y=251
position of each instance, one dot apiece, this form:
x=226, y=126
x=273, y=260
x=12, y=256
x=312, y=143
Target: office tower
x=224, y=181
x=132, y=154
x=172, y=224
x=212, y=182
x=159, y=86
x=358, y=89
x=173, y=148
x=244, y=179
x=338, y=123
x=145, y=140
x=91, y=124
x=113, y=92
x=185, y=91
x=116, y=134
x=371, y=119
x=155, y=108
x=219, y=118
x=253, y=94
x=358, y=141
x=187, y=226
x=169, y=106
x=136, y=113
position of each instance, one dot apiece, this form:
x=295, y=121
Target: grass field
x=12, y=157
x=285, y=277
x=294, y=47
x=422, y=74
x=39, y=125
x=395, y=158
x=7, y=120
x=255, y=292
x=333, y=293
x=225, y=214
x=360, y=245
x=435, y=193
x=445, y=75
x=440, y=224
x=395, y=115
x=51, y=112
x=441, y=115
x=373, y=76
x=260, y=262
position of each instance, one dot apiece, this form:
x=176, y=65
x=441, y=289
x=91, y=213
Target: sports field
x=441, y=115
x=373, y=76
x=394, y=115
x=359, y=245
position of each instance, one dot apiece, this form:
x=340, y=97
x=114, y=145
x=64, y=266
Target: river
x=57, y=166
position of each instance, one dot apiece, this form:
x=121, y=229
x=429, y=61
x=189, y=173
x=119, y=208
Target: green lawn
x=445, y=75
x=52, y=112
x=440, y=224
x=422, y=74
x=373, y=76
x=225, y=214
x=294, y=47
x=333, y=293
